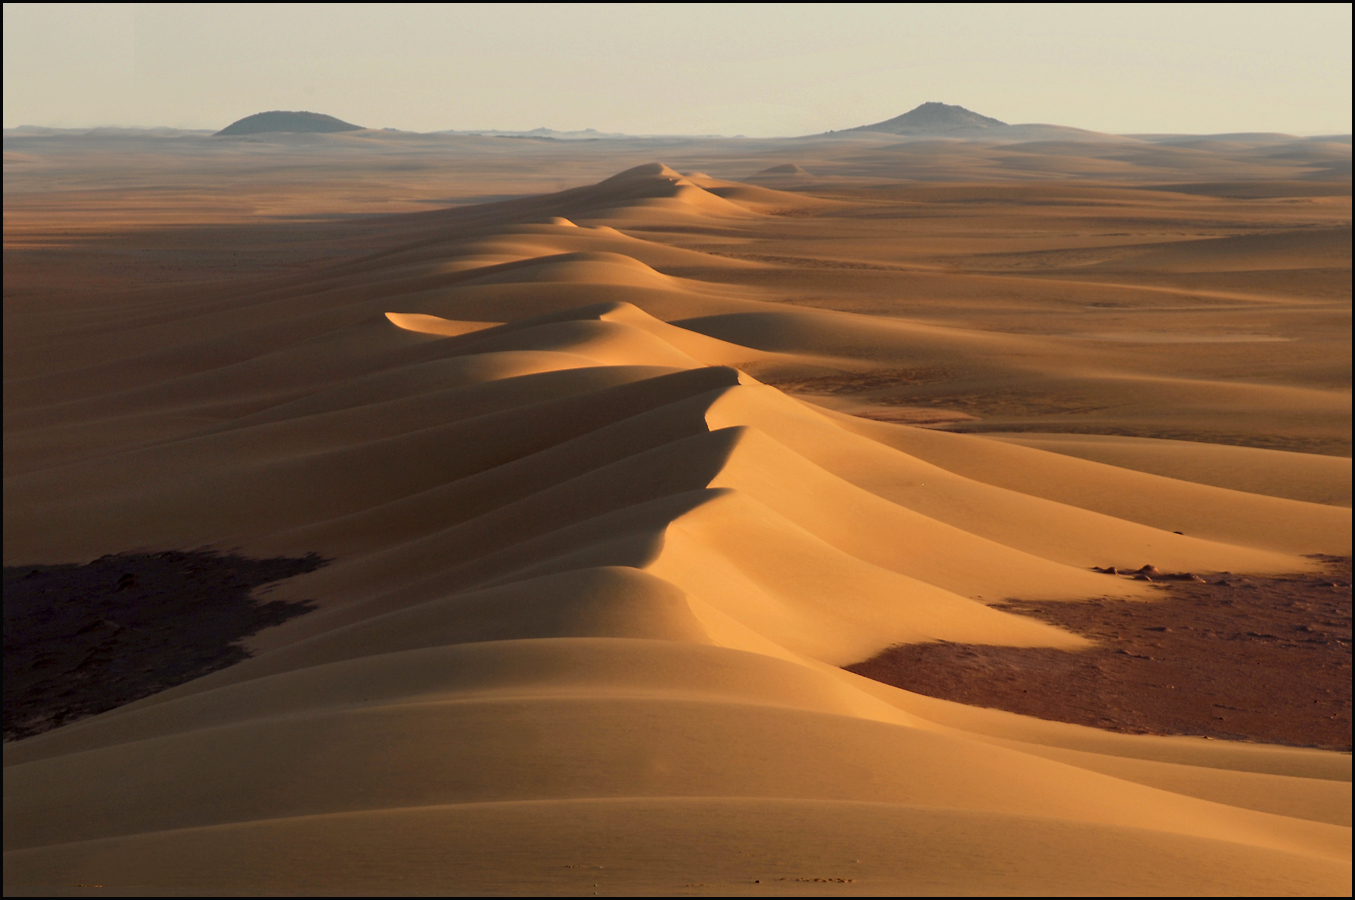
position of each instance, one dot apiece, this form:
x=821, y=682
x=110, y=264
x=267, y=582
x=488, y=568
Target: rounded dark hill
x=933, y=118
x=282, y=120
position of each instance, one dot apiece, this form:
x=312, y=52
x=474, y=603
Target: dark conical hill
x=933, y=118
x=282, y=120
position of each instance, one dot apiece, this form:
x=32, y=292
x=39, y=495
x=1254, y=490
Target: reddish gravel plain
x=81, y=640
x=1236, y=657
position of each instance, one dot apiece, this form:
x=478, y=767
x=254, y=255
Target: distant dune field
x=617, y=463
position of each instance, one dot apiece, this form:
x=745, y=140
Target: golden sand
x=611, y=485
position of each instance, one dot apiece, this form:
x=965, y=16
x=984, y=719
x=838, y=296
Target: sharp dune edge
x=593, y=579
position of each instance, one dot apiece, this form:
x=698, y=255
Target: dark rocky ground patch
x=80, y=640
x=1235, y=657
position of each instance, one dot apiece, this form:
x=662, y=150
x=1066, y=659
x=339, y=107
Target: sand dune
x=1317, y=479
x=593, y=574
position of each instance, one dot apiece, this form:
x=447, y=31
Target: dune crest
x=426, y=324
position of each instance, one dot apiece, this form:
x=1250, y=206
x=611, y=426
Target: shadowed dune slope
x=593, y=579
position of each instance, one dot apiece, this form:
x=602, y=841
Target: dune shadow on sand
x=81, y=640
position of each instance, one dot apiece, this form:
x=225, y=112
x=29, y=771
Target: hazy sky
x=755, y=70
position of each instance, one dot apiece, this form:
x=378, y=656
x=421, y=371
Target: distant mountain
x=933, y=118
x=281, y=120
x=933, y=121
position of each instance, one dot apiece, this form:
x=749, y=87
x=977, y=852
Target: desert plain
x=610, y=457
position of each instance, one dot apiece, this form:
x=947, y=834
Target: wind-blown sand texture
x=594, y=575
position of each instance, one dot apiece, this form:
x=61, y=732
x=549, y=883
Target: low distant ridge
x=283, y=120
x=785, y=169
x=932, y=118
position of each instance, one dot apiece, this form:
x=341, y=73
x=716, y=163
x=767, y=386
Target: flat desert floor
x=598, y=463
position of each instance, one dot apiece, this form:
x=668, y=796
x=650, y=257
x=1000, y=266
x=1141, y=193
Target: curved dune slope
x=591, y=586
